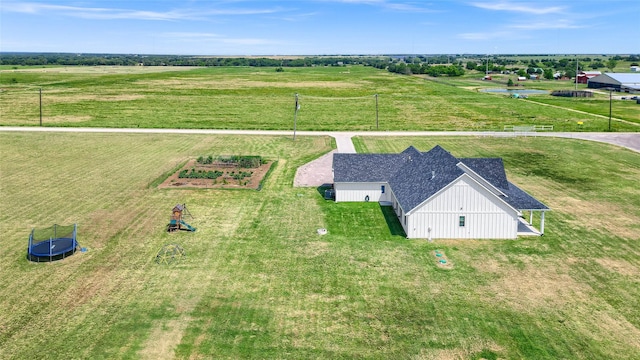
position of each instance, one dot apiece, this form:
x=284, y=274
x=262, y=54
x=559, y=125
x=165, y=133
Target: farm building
x=627, y=82
x=435, y=195
x=584, y=76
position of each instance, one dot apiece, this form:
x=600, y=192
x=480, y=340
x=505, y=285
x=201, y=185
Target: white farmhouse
x=436, y=195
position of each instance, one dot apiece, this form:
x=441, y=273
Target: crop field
x=259, y=282
x=331, y=98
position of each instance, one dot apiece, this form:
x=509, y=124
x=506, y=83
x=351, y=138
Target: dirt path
x=319, y=171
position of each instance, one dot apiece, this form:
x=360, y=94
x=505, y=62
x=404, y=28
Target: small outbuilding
x=584, y=76
x=436, y=195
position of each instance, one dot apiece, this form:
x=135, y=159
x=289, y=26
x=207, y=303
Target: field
x=626, y=110
x=331, y=98
x=259, y=282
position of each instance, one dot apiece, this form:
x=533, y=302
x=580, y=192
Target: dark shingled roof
x=365, y=167
x=520, y=200
x=490, y=169
x=423, y=175
x=415, y=176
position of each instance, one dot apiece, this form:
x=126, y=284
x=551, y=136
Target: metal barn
x=626, y=82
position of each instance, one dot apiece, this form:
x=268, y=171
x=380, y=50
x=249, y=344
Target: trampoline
x=51, y=244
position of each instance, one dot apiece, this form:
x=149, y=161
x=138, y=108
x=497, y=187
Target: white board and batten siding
x=485, y=216
x=359, y=191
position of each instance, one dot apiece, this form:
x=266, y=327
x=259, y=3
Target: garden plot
x=220, y=172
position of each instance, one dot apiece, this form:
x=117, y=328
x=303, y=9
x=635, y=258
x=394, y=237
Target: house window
x=382, y=188
x=461, y=220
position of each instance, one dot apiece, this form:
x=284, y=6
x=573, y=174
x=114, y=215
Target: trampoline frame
x=68, y=246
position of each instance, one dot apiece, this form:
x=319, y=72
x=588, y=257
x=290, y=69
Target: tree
x=548, y=74
x=510, y=82
x=471, y=65
x=521, y=72
x=611, y=64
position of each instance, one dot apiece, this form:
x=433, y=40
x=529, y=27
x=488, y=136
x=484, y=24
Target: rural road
x=343, y=138
x=319, y=171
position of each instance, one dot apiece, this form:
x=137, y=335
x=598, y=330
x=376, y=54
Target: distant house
x=534, y=76
x=626, y=82
x=635, y=68
x=584, y=76
x=522, y=78
x=560, y=76
x=436, y=195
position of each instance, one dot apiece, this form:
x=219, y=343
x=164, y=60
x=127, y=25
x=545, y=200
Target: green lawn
x=259, y=282
x=621, y=109
x=331, y=98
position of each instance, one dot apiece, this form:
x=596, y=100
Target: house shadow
x=322, y=190
x=395, y=228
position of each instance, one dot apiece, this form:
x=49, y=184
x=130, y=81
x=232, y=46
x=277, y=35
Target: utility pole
x=376, y=111
x=295, y=117
x=610, y=92
x=576, y=72
x=40, y=106
x=486, y=72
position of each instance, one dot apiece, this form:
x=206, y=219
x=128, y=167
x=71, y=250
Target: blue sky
x=321, y=27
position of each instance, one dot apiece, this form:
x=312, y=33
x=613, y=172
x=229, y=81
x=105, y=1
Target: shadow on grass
x=322, y=188
x=395, y=228
x=361, y=213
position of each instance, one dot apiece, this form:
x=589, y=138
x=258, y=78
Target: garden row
x=211, y=174
x=244, y=161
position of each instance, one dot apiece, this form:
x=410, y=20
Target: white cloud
x=214, y=38
x=492, y=35
x=518, y=7
x=401, y=6
x=249, y=41
x=559, y=24
x=190, y=35
x=100, y=13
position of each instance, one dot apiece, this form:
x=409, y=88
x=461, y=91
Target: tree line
x=394, y=63
x=433, y=65
x=67, y=59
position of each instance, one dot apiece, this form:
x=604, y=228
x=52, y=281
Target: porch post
x=530, y=217
x=542, y=223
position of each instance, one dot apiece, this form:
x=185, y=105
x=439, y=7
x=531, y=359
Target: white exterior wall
x=486, y=217
x=359, y=191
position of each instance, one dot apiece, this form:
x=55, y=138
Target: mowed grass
x=259, y=282
x=331, y=98
x=626, y=110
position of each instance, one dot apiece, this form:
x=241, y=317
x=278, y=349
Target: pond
x=514, y=91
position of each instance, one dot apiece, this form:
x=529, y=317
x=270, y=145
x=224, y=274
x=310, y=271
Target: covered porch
x=526, y=226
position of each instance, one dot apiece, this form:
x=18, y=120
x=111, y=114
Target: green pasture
x=331, y=98
x=259, y=282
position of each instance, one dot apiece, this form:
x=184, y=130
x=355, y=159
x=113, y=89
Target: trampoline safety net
x=52, y=243
x=53, y=232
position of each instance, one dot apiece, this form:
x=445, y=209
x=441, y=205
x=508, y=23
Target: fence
x=525, y=129
x=572, y=93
